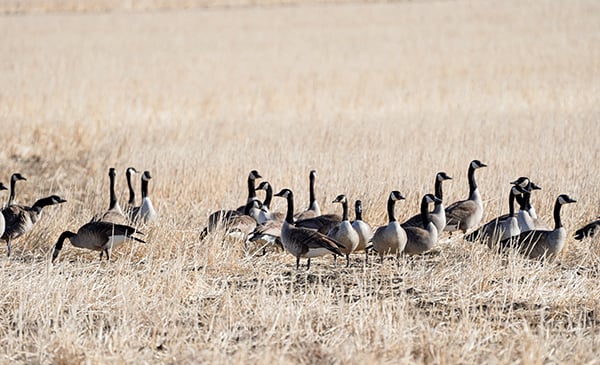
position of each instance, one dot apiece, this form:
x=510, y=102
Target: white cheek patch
x=428, y=199
x=562, y=200
x=474, y=165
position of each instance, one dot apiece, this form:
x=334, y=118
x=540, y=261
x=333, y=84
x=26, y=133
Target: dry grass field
x=376, y=97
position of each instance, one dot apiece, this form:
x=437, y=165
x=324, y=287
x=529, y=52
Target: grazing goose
x=589, y=230
x=144, y=212
x=313, y=205
x=269, y=233
x=128, y=173
x=501, y=227
x=364, y=230
x=19, y=219
x=344, y=232
x=13, y=181
x=438, y=216
x=2, y=221
x=540, y=243
x=390, y=239
x=234, y=222
x=527, y=217
x=114, y=214
x=465, y=214
x=302, y=242
x=422, y=239
x=97, y=236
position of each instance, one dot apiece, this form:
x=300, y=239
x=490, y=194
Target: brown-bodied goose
x=391, y=238
x=540, y=243
x=589, y=230
x=364, y=230
x=465, y=214
x=500, y=227
x=114, y=214
x=304, y=243
x=144, y=213
x=234, y=222
x=13, y=182
x=422, y=239
x=97, y=236
x=344, y=232
x=19, y=219
x=438, y=216
x=313, y=205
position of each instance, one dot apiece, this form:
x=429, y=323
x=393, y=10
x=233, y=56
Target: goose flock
x=103, y=232
x=309, y=233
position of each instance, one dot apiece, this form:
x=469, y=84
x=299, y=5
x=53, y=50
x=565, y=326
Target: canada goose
x=128, y=173
x=266, y=214
x=527, y=217
x=465, y=214
x=344, y=232
x=13, y=181
x=97, y=236
x=391, y=238
x=540, y=243
x=252, y=176
x=114, y=214
x=313, y=205
x=2, y=221
x=146, y=211
x=302, y=242
x=589, y=230
x=19, y=219
x=422, y=239
x=501, y=227
x=364, y=230
x=438, y=216
x=269, y=233
x=232, y=220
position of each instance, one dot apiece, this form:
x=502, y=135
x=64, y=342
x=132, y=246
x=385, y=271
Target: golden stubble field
x=376, y=97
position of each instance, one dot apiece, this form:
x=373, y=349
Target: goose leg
x=297, y=262
x=107, y=254
x=347, y=260
x=101, y=254
x=8, y=247
x=308, y=265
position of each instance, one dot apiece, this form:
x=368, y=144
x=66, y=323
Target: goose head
x=476, y=164
x=442, y=176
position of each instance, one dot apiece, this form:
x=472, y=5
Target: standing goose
x=390, y=239
x=465, y=214
x=438, y=216
x=128, y=173
x=501, y=227
x=364, y=230
x=527, y=217
x=422, y=239
x=540, y=243
x=344, y=232
x=144, y=212
x=19, y=219
x=114, y=214
x=302, y=242
x=589, y=230
x=97, y=236
x=313, y=205
x=13, y=181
